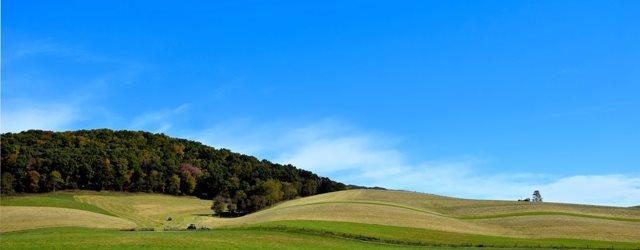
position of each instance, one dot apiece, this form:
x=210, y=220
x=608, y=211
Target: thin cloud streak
x=21, y=116
x=158, y=121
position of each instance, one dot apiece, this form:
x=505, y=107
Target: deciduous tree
x=7, y=183
x=536, y=196
x=34, y=180
x=55, y=180
x=218, y=205
x=174, y=184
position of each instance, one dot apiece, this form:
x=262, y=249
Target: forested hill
x=135, y=161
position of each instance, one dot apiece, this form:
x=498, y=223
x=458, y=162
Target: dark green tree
x=289, y=191
x=218, y=205
x=7, y=183
x=537, y=197
x=34, y=181
x=232, y=207
x=272, y=191
x=155, y=181
x=174, y=184
x=310, y=187
x=55, y=180
x=188, y=183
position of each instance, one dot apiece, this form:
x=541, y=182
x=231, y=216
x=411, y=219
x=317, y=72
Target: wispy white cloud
x=37, y=48
x=158, y=121
x=243, y=135
x=353, y=156
x=617, y=189
x=44, y=47
x=18, y=116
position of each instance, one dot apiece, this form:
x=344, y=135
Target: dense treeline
x=42, y=161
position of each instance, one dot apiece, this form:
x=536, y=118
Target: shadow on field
x=223, y=215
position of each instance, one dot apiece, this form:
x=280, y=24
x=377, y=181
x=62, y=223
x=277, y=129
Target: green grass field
x=213, y=239
x=56, y=199
x=357, y=219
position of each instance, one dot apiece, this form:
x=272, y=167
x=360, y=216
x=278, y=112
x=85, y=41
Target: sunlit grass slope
x=416, y=210
x=375, y=216
x=14, y=218
x=141, y=209
x=151, y=210
x=64, y=199
x=465, y=208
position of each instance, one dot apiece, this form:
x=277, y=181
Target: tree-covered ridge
x=102, y=159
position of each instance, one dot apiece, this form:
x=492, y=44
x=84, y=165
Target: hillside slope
x=386, y=216
x=416, y=210
x=15, y=218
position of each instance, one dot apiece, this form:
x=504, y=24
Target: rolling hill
x=352, y=218
x=498, y=218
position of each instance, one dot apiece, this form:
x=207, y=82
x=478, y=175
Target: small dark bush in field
x=192, y=227
x=169, y=218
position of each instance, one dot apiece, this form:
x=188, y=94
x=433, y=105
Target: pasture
x=345, y=219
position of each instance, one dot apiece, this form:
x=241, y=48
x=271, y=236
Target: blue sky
x=477, y=99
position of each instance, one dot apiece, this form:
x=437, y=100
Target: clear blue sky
x=501, y=97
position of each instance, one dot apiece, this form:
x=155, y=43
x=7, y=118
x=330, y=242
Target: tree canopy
x=135, y=161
